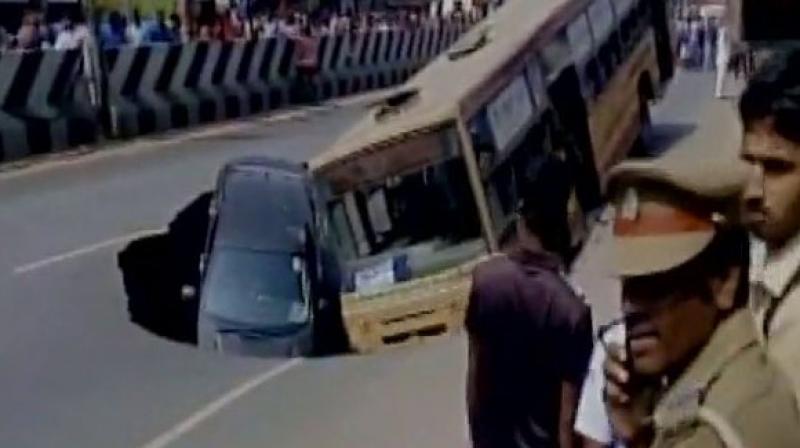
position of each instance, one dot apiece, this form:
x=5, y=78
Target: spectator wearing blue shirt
x=112, y=33
x=158, y=31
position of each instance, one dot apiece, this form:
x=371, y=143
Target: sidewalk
x=677, y=114
x=687, y=119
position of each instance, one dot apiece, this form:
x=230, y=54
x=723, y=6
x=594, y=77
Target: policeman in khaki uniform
x=692, y=372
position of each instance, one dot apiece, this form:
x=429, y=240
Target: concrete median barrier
x=13, y=132
x=326, y=56
x=43, y=105
x=44, y=95
x=137, y=88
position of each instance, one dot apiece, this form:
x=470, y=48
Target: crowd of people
x=697, y=40
x=115, y=29
x=707, y=249
x=73, y=30
x=35, y=33
x=706, y=43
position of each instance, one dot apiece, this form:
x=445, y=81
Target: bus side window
x=505, y=186
x=508, y=180
x=607, y=45
x=524, y=161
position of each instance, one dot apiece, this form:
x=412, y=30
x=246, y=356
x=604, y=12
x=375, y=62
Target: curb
x=154, y=142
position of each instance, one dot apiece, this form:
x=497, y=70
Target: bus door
x=570, y=108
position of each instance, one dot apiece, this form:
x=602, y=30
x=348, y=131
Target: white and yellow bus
x=421, y=188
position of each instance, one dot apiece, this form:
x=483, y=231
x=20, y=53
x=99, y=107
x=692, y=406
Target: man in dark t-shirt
x=530, y=335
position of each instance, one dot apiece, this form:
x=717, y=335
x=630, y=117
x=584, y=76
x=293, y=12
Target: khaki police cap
x=668, y=209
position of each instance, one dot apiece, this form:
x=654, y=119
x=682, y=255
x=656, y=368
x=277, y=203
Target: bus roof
x=436, y=95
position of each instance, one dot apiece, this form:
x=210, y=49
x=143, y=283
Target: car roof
x=266, y=163
x=262, y=206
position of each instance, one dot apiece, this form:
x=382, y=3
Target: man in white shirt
x=73, y=34
x=723, y=55
x=770, y=113
x=65, y=40
x=269, y=27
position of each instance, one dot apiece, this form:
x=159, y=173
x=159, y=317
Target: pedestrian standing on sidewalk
x=691, y=372
x=65, y=39
x=158, y=31
x=692, y=46
x=288, y=27
x=530, y=335
x=307, y=63
x=683, y=42
x=700, y=52
x=177, y=29
x=770, y=113
x=112, y=32
x=712, y=29
x=722, y=60
x=28, y=37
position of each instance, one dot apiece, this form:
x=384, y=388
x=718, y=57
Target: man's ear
x=724, y=288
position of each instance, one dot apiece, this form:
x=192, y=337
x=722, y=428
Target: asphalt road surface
x=75, y=372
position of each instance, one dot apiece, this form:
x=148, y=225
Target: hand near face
x=628, y=408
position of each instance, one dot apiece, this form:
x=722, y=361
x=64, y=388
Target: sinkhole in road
x=156, y=267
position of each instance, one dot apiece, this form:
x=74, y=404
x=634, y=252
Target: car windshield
x=255, y=289
x=263, y=212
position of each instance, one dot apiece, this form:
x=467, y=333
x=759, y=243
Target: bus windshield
x=422, y=218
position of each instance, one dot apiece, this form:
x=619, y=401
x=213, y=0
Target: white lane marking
x=30, y=267
x=219, y=404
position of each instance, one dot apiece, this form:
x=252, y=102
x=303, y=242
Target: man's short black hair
x=543, y=205
x=774, y=93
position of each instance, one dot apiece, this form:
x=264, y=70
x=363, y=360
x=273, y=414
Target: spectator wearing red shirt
x=307, y=62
